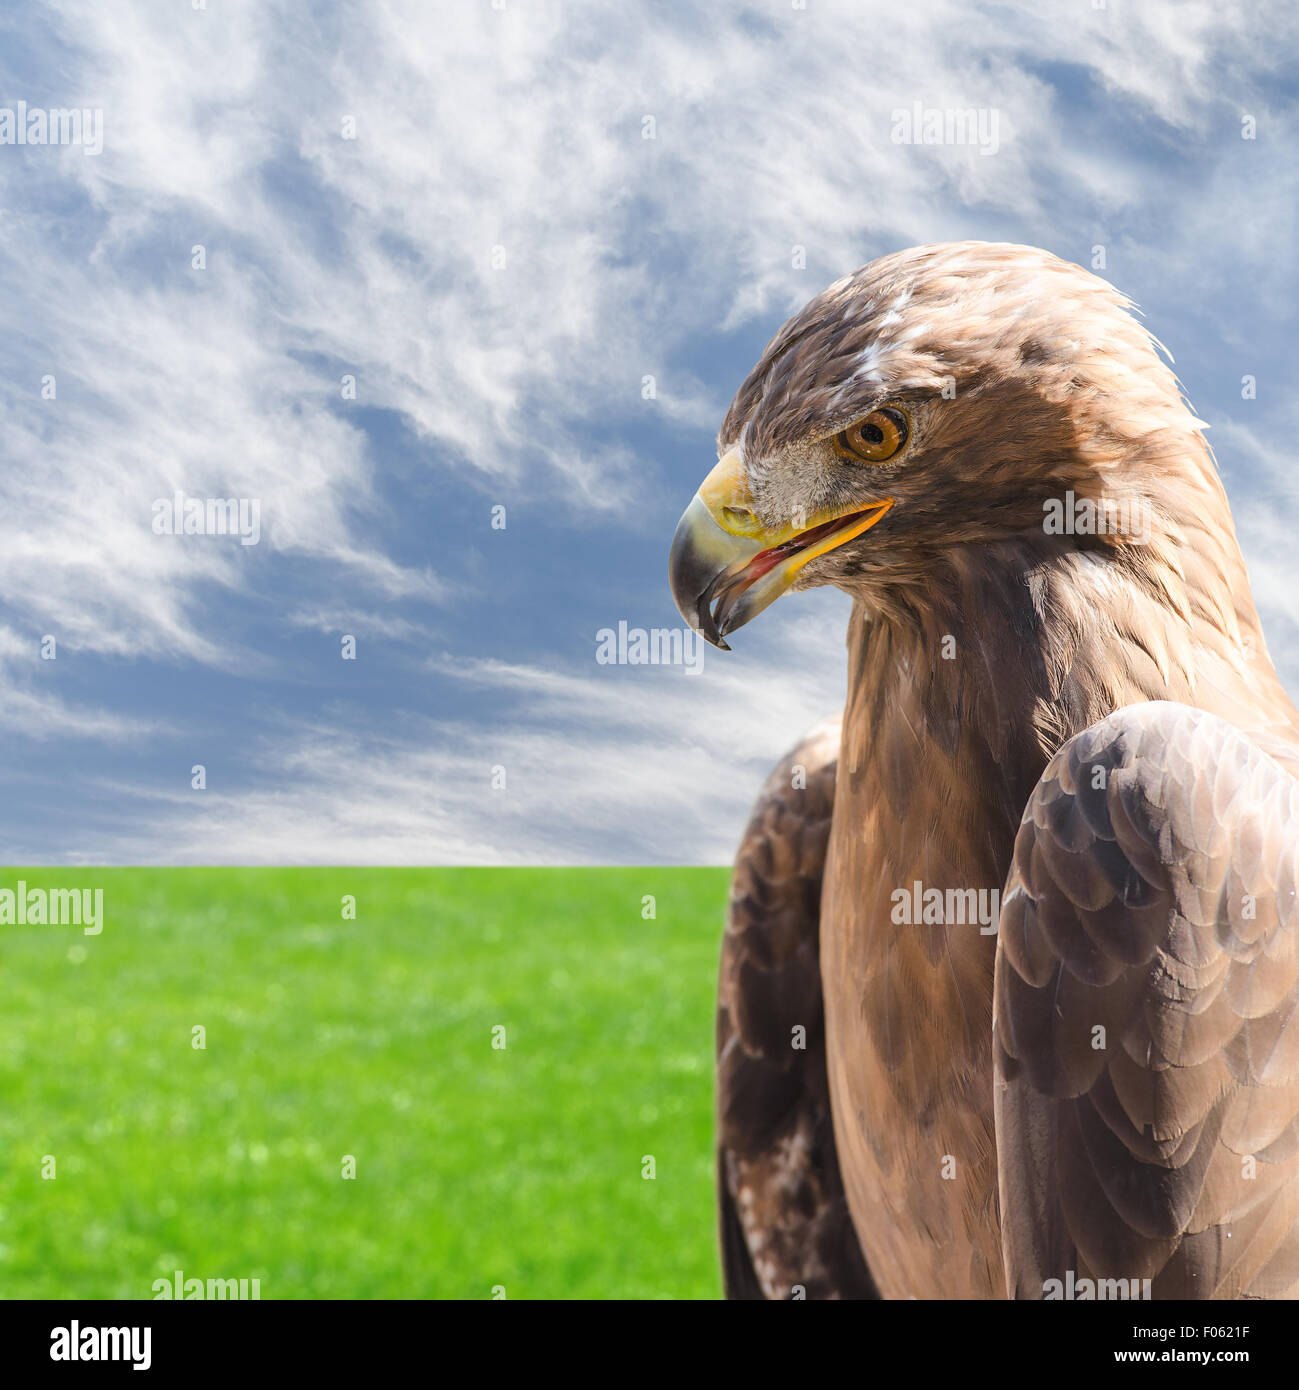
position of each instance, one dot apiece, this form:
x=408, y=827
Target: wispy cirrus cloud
x=444, y=271
x=617, y=764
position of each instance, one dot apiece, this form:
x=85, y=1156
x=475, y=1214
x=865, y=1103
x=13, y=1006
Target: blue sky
x=500, y=258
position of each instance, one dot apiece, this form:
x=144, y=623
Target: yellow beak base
x=725, y=566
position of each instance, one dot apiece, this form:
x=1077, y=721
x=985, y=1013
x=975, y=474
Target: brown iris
x=875, y=438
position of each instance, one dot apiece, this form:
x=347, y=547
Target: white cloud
x=1265, y=527
x=32, y=711
x=631, y=764
x=521, y=129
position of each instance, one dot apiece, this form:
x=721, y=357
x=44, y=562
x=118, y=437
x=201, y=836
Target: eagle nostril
x=738, y=516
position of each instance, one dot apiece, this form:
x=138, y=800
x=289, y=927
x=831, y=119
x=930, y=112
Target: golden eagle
x=1009, y=983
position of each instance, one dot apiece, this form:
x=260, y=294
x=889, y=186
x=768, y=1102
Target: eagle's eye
x=876, y=438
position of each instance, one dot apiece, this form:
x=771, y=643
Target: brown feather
x=998, y=733
x=785, y=1228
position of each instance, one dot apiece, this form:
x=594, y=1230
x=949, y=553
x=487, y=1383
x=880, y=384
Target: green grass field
x=475, y=1167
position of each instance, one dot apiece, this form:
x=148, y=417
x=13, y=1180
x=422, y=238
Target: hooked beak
x=726, y=567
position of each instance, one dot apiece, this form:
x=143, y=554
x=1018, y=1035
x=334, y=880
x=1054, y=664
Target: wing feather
x=785, y=1225
x=1147, y=1014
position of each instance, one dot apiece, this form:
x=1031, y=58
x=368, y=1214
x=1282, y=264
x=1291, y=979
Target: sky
x=457, y=293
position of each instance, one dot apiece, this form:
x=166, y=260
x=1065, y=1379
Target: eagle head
x=937, y=399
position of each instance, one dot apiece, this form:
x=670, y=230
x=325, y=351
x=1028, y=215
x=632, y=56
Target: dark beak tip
x=708, y=632
x=697, y=579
